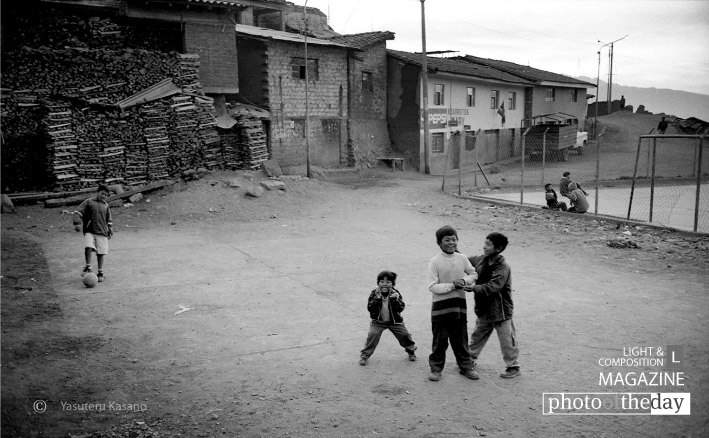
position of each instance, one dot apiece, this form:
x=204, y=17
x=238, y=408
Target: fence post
x=544, y=154
x=461, y=136
x=524, y=152
x=445, y=168
x=699, y=182
x=598, y=167
x=475, y=168
x=652, y=179
x=647, y=169
x=635, y=173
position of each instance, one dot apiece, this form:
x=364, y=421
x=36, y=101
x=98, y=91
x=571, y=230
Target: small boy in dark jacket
x=493, y=303
x=385, y=305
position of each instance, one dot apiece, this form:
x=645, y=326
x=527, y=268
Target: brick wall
x=327, y=104
x=366, y=104
x=368, y=132
x=216, y=48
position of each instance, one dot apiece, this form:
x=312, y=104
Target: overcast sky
x=667, y=44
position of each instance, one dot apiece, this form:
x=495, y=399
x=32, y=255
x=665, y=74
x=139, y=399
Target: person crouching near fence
x=579, y=203
x=552, y=200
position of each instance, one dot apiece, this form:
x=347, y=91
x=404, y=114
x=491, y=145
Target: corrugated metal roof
x=447, y=65
x=533, y=74
x=276, y=4
x=245, y=110
x=162, y=89
x=225, y=121
x=217, y=2
x=278, y=35
x=363, y=40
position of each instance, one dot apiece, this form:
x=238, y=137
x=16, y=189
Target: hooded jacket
x=396, y=306
x=578, y=199
x=493, y=290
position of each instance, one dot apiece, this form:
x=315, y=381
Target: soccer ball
x=90, y=279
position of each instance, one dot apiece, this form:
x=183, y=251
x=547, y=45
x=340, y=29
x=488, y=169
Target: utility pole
x=609, y=97
x=610, y=79
x=307, y=118
x=598, y=80
x=424, y=92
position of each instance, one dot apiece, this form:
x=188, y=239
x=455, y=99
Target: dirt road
x=228, y=316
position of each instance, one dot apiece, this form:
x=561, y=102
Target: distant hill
x=656, y=100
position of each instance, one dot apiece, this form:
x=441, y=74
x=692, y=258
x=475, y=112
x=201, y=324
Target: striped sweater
x=443, y=270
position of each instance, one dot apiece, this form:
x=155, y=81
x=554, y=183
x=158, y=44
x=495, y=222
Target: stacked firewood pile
x=231, y=149
x=62, y=145
x=89, y=139
x=252, y=142
x=208, y=135
x=62, y=78
x=104, y=33
x=188, y=73
x=94, y=76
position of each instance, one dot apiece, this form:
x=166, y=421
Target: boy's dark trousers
x=454, y=330
x=376, y=329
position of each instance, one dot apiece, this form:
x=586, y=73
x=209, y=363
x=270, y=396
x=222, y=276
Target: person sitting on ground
x=552, y=201
x=564, y=185
x=579, y=203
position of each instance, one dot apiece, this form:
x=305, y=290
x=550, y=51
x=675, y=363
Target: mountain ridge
x=683, y=104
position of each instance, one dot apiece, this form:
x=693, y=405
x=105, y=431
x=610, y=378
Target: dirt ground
x=224, y=315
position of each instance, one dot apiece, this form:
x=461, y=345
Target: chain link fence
x=654, y=178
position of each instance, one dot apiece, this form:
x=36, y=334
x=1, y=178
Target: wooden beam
x=76, y=200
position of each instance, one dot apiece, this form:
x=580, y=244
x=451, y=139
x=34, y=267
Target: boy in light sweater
x=448, y=273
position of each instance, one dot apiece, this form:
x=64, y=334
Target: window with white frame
x=511, y=100
x=494, y=98
x=470, y=98
x=573, y=95
x=551, y=95
x=438, y=90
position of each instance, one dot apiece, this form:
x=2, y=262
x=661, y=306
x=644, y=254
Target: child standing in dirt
x=385, y=305
x=448, y=273
x=493, y=303
x=93, y=217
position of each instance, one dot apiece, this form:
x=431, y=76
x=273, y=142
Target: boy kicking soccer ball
x=93, y=217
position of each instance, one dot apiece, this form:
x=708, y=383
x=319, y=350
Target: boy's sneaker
x=412, y=354
x=87, y=270
x=363, y=361
x=435, y=376
x=100, y=276
x=470, y=374
x=511, y=372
